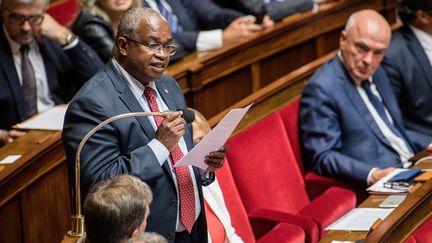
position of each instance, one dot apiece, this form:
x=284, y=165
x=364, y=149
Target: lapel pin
x=166, y=91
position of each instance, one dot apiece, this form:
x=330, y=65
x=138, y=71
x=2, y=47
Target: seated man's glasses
x=19, y=19
x=154, y=47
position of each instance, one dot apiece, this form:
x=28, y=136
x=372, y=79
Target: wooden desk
x=401, y=223
x=35, y=196
x=213, y=81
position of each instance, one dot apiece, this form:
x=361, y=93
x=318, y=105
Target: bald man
x=351, y=124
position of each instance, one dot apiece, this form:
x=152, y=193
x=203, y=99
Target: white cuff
x=160, y=151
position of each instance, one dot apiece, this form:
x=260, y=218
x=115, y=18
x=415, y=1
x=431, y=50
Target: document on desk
x=379, y=188
x=360, y=219
x=214, y=140
x=51, y=119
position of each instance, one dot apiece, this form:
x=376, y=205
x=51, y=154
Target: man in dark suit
x=351, y=125
x=198, y=24
x=146, y=147
x=408, y=63
x=41, y=61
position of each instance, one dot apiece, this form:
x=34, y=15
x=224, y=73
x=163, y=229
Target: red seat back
x=64, y=11
x=264, y=168
x=239, y=218
x=290, y=117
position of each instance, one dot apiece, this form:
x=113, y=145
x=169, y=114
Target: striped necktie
x=175, y=27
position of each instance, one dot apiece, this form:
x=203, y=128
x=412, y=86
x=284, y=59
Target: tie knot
x=149, y=92
x=24, y=49
x=365, y=84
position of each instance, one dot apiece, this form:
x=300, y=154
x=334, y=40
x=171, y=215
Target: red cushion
x=64, y=11
x=329, y=206
x=239, y=218
x=290, y=118
x=284, y=232
x=264, y=168
x=422, y=234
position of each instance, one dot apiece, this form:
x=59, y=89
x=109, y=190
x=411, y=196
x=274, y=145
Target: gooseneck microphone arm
x=77, y=219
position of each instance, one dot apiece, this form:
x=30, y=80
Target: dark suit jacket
x=196, y=15
x=340, y=137
x=410, y=74
x=66, y=71
x=121, y=147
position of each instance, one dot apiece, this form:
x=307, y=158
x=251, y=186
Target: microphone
x=77, y=219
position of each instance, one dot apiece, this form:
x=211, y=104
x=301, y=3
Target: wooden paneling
x=10, y=222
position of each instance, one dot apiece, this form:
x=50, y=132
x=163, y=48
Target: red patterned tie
x=184, y=178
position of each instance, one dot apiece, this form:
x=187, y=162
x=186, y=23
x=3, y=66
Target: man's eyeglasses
x=154, y=47
x=19, y=19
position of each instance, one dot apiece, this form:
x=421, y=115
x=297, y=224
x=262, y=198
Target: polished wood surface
x=213, y=81
x=35, y=196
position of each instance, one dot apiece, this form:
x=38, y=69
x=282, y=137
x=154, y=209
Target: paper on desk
x=51, y=119
x=360, y=219
x=10, y=159
x=379, y=188
x=214, y=140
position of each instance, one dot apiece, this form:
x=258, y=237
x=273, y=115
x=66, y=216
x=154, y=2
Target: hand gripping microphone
x=77, y=218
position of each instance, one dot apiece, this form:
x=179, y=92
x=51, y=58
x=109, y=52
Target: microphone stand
x=77, y=219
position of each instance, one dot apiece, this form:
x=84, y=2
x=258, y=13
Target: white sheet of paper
x=10, y=159
x=360, y=219
x=378, y=187
x=214, y=140
x=51, y=119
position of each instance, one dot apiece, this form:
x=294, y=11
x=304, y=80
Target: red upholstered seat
x=272, y=231
x=422, y=234
x=268, y=176
x=316, y=184
x=64, y=11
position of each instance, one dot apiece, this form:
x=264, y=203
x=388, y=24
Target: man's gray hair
x=5, y=3
x=131, y=18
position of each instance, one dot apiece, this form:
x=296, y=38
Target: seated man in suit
x=116, y=209
x=408, y=63
x=41, y=63
x=350, y=121
x=146, y=147
x=198, y=24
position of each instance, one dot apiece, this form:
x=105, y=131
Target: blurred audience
x=202, y=25
x=218, y=218
x=116, y=210
x=275, y=9
x=350, y=122
x=408, y=65
x=97, y=23
x=42, y=63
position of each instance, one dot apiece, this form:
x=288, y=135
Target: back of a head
x=147, y=237
x=114, y=208
x=406, y=9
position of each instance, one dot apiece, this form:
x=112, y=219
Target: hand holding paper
x=214, y=140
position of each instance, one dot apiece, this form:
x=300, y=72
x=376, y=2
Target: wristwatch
x=69, y=39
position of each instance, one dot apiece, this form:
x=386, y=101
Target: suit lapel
x=8, y=66
x=419, y=54
x=357, y=102
x=386, y=93
x=127, y=97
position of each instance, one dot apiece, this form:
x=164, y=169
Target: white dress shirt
x=160, y=151
x=207, y=39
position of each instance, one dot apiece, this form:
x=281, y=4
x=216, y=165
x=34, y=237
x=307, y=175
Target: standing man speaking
x=145, y=147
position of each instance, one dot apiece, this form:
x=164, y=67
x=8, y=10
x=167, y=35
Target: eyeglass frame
x=21, y=19
x=159, y=46
x=398, y=185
